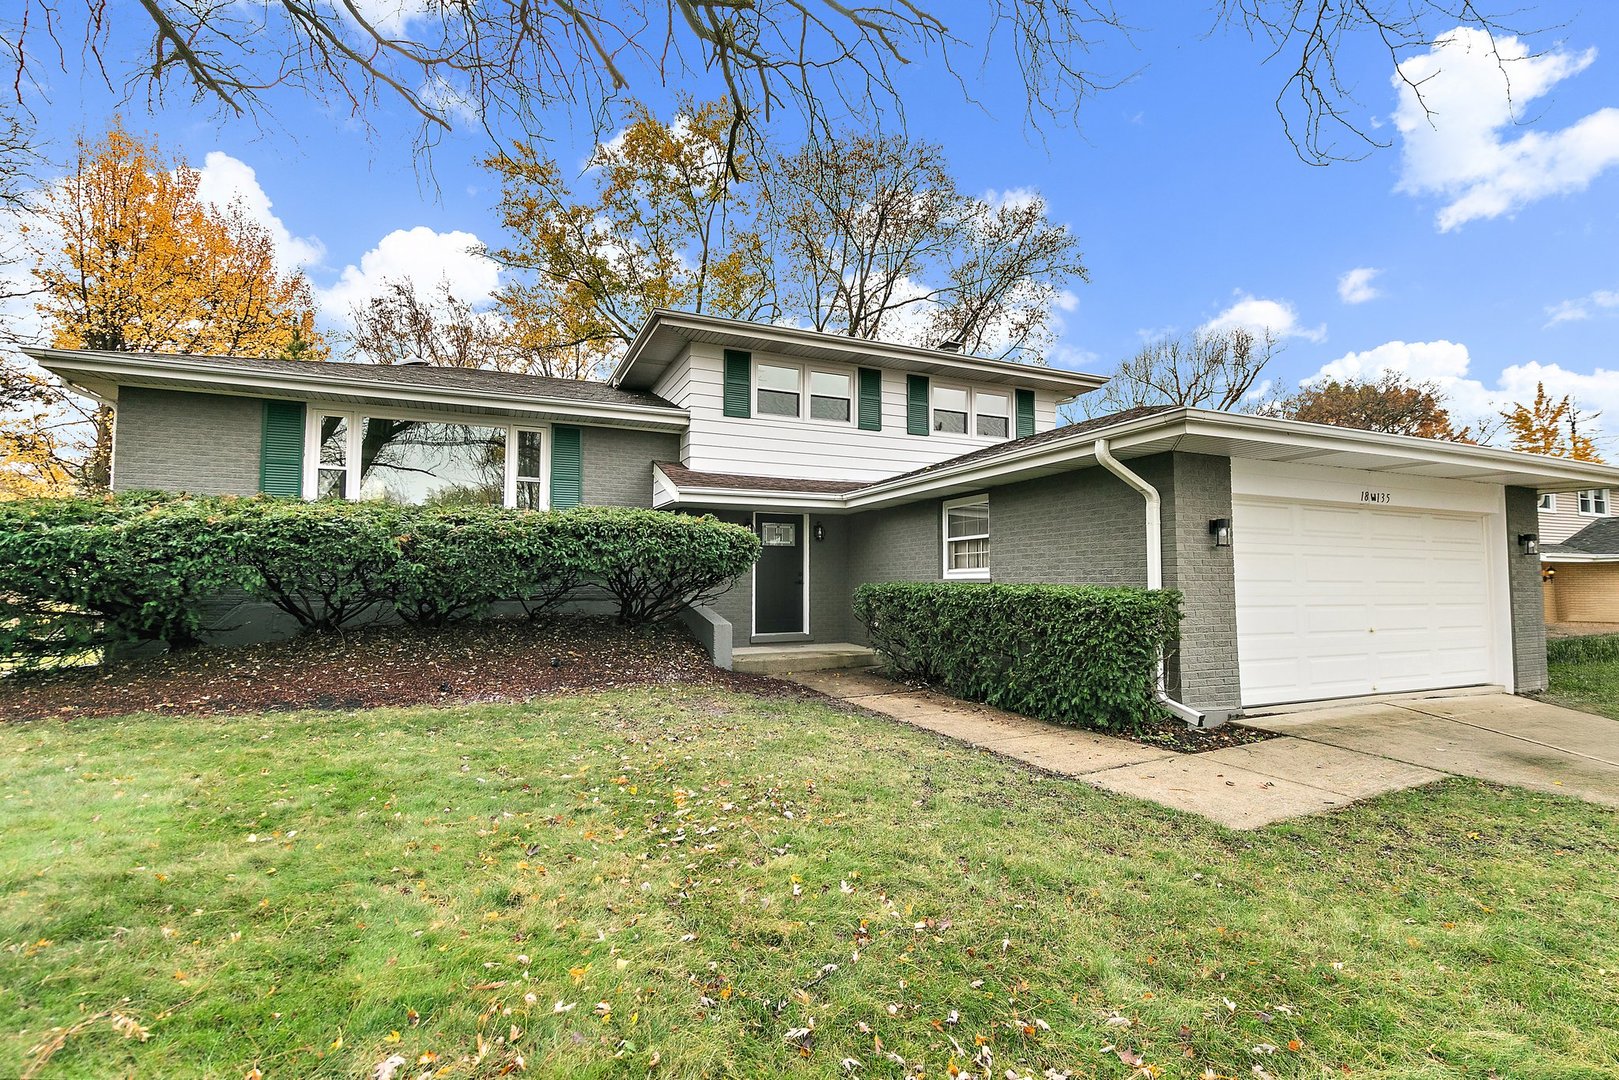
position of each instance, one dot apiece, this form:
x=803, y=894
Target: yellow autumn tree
x=129, y=258
x=1550, y=427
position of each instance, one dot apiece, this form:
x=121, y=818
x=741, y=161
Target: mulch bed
x=398, y=666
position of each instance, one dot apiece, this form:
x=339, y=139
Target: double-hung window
x=1594, y=503
x=529, y=492
x=992, y=414
x=332, y=448
x=831, y=396
x=966, y=538
x=779, y=390
x=950, y=410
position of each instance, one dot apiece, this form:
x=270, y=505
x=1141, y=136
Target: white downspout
x=1155, y=564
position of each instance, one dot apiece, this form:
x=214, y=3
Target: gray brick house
x=1316, y=562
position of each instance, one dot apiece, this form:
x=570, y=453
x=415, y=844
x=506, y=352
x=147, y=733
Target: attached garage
x=1351, y=583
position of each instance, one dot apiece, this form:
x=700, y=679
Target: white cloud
x=441, y=97
x=1355, y=286
x=419, y=255
x=1017, y=198
x=1470, y=399
x=1582, y=308
x=390, y=16
x=1254, y=313
x=1474, y=89
x=223, y=179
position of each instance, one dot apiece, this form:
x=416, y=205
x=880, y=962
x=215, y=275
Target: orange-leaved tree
x=128, y=257
x=1550, y=426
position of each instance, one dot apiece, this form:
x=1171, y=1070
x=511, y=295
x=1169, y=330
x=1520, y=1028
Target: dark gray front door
x=778, y=577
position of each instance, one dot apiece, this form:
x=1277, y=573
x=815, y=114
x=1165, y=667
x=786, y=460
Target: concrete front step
x=783, y=659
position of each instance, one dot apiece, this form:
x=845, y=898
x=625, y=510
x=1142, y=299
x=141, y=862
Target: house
x=1316, y=562
x=1579, y=553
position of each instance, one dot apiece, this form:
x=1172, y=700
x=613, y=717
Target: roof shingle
x=1597, y=538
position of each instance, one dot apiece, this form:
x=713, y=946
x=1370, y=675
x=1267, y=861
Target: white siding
x=1566, y=520
x=781, y=446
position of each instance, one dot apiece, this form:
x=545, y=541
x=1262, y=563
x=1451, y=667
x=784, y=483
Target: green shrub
x=81, y=574
x=77, y=575
x=1591, y=649
x=1075, y=654
x=653, y=563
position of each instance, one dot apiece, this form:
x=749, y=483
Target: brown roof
x=690, y=478
x=1055, y=435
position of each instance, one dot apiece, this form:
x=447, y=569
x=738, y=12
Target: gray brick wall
x=1203, y=669
x=830, y=618
x=618, y=463
x=1524, y=588
x=1088, y=527
x=165, y=440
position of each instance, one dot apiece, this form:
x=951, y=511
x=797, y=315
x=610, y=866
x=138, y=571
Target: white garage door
x=1336, y=601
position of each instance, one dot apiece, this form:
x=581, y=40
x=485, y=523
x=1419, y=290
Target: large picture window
x=966, y=538
x=426, y=461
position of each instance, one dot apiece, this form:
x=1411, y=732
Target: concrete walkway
x=1241, y=787
x=1324, y=758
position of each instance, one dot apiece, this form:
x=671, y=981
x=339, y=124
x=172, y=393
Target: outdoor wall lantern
x=1528, y=544
x=1220, y=531
x=1546, y=575
x=820, y=531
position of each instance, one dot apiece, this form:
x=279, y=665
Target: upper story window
x=966, y=538
x=831, y=396
x=950, y=410
x=992, y=414
x=1548, y=501
x=1594, y=503
x=426, y=462
x=779, y=390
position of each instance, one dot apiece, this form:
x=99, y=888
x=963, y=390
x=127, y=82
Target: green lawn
x=683, y=883
x=1585, y=674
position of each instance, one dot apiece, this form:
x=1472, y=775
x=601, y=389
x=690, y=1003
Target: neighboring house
x=1316, y=562
x=1579, y=533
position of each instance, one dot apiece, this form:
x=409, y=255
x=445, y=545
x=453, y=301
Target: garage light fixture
x=820, y=531
x=1220, y=530
x=1528, y=544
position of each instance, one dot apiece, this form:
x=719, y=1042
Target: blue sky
x=1488, y=244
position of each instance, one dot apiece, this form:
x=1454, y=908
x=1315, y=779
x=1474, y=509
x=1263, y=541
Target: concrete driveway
x=1493, y=736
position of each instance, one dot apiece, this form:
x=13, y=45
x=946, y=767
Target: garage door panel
x=1335, y=601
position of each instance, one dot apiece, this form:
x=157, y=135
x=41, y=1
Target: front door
x=778, y=576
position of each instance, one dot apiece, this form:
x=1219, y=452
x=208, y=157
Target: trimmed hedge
x=1075, y=654
x=82, y=574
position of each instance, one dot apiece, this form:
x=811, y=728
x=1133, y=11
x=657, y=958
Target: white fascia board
x=1572, y=557
x=239, y=383
x=753, y=499
x=1407, y=448
x=1072, y=383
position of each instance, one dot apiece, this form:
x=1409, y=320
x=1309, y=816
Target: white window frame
x=933, y=407
x=1548, y=502
x=807, y=409
x=803, y=389
x=949, y=572
x=1010, y=415
x=1591, y=498
x=356, y=435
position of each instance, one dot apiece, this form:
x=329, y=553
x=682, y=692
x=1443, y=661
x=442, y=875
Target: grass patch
x=699, y=882
x=1591, y=685
x=1587, y=649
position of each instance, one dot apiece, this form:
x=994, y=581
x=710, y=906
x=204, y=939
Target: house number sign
x=1376, y=497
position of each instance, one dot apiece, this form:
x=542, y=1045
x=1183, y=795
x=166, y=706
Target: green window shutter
x=916, y=404
x=567, y=468
x=281, y=455
x=871, y=399
x=1025, y=413
x=738, y=383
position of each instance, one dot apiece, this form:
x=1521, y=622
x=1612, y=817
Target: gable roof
x=1598, y=539
x=416, y=385
x=665, y=334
